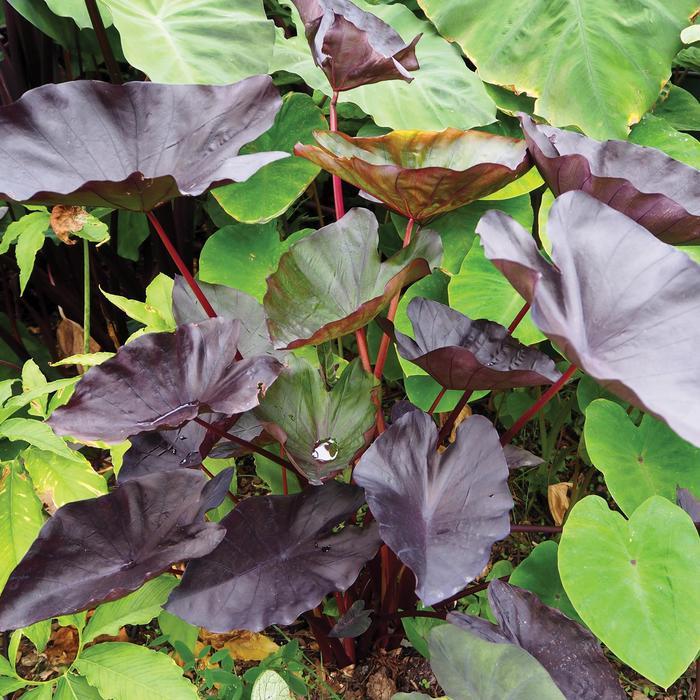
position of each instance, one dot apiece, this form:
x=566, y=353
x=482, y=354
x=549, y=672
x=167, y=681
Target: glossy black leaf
x=439, y=512
x=460, y=353
x=278, y=559
x=161, y=380
x=569, y=652
x=353, y=47
x=132, y=146
x=103, y=548
x=620, y=304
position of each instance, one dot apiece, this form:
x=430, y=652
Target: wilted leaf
x=558, y=500
x=440, y=513
x=127, y=160
x=161, y=380
x=278, y=559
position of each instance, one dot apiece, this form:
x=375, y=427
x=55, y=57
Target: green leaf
x=137, y=608
x=568, y=54
x=418, y=630
x=13, y=404
x=312, y=417
x=444, y=92
x=40, y=692
x=76, y=620
x=93, y=230
x=658, y=133
x=284, y=180
x=639, y=462
x=77, y=11
x=39, y=435
x=38, y=634
x=177, y=630
x=539, y=573
x=680, y=109
x=479, y=290
x=204, y=42
x=59, y=29
x=635, y=582
x=28, y=235
x=21, y=518
x=132, y=231
x=59, y=480
x=90, y=360
x=72, y=687
x=243, y=256
x=270, y=686
x=469, y=668
x=9, y=685
x=271, y=473
x=122, y=671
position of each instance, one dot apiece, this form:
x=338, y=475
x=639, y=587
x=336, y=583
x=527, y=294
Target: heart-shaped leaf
x=253, y=338
x=606, y=304
x=421, y=174
x=126, y=158
x=440, y=512
x=353, y=623
x=338, y=273
x=634, y=582
x=321, y=430
x=645, y=184
x=460, y=353
x=101, y=549
x=161, y=380
x=638, y=462
x=469, y=668
x=569, y=652
x=278, y=559
x=284, y=180
x=353, y=47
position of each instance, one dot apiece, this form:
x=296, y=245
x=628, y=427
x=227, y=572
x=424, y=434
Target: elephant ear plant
x=378, y=512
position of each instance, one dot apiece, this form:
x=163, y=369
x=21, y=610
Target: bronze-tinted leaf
x=439, y=512
x=132, y=146
x=569, y=652
x=421, y=174
x=333, y=281
x=658, y=192
x=353, y=47
x=161, y=380
x=278, y=559
x=103, y=548
x=460, y=353
x=620, y=304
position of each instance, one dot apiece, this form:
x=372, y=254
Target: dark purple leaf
x=460, y=353
x=658, y=192
x=229, y=303
x=401, y=408
x=620, y=304
x=353, y=623
x=353, y=47
x=517, y=457
x=279, y=558
x=132, y=146
x=161, y=380
x=689, y=504
x=103, y=548
x=440, y=512
x=569, y=652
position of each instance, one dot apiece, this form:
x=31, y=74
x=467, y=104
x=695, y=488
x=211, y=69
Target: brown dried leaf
x=243, y=645
x=66, y=220
x=69, y=337
x=558, y=499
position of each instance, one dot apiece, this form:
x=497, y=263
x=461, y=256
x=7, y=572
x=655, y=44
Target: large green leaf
x=680, y=109
x=20, y=518
x=635, y=582
x=39, y=692
x=658, y=133
x=444, y=91
x=39, y=435
x=207, y=42
x=243, y=256
x=591, y=63
x=469, y=668
x=59, y=480
x=77, y=11
x=479, y=290
x=639, y=462
x=122, y=671
x=272, y=189
x=323, y=429
x=539, y=573
x=72, y=687
x=137, y=608
x=27, y=233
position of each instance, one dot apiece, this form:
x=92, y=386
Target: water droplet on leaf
x=325, y=450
